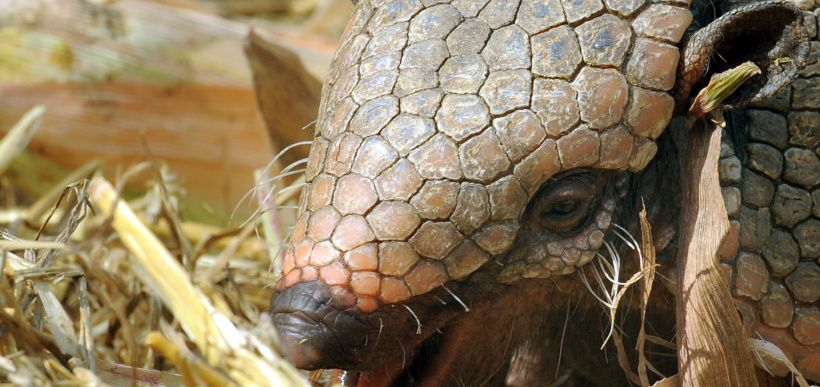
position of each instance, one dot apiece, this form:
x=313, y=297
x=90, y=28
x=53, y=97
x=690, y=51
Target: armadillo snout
x=315, y=328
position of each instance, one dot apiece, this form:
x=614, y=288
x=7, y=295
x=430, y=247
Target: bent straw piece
x=33, y=245
x=161, y=271
x=186, y=363
x=36, y=211
x=768, y=355
x=59, y=323
x=18, y=137
x=648, y=248
x=214, y=333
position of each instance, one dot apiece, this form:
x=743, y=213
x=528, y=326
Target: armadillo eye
x=564, y=207
x=566, y=203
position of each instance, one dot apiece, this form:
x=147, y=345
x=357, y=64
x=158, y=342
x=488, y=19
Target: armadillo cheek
x=300, y=228
x=321, y=192
x=288, y=262
x=354, y=195
x=323, y=253
x=367, y=304
x=663, y=22
x=363, y=257
x=649, y=112
x=602, y=96
x=309, y=273
x=436, y=199
x=652, y=65
x=426, y=276
x=496, y=238
x=322, y=223
x=335, y=274
x=292, y=278
x=396, y=258
x=353, y=231
x=436, y=239
x=464, y=260
x=301, y=253
x=365, y=283
x=399, y=182
x=393, y=220
x=393, y=290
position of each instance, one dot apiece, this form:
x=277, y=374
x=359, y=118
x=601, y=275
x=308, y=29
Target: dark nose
x=317, y=328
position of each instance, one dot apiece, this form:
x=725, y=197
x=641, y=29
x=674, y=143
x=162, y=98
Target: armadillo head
x=464, y=148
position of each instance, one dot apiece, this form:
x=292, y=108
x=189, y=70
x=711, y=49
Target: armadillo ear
x=770, y=34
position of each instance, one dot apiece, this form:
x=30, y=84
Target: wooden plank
x=210, y=135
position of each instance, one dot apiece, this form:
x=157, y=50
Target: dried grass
x=98, y=289
x=612, y=290
x=771, y=359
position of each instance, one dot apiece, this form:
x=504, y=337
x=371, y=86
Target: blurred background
x=126, y=81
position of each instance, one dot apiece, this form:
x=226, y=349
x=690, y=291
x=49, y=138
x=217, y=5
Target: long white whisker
x=418, y=322
x=308, y=124
x=280, y=176
x=273, y=191
x=286, y=150
x=586, y=283
x=466, y=308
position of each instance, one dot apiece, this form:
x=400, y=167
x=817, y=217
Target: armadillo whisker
x=308, y=124
x=285, y=150
x=589, y=288
x=273, y=180
x=265, y=171
x=403, y=354
x=611, y=295
x=418, y=322
x=563, y=335
x=271, y=193
x=295, y=164
x=287, y=207
x=466, y=308
x=379, y=335
x=244, y=197
x=290, y=187
x=284, y=170
x=634, y=243
x=625, y=236
x=283, y=175
x=262, y=183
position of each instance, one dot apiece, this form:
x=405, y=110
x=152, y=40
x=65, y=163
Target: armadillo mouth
x=427, y=364
x=398, y=345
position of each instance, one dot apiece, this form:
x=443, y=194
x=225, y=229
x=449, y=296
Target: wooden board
x=210, y=135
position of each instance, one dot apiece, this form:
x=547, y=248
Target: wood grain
x=712, y=346
x=210, y=135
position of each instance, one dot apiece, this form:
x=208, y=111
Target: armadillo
x=472, y=158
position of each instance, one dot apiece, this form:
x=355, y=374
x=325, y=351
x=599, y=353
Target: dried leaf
x=768, y=356
x=16, y=140
x=721, y=86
